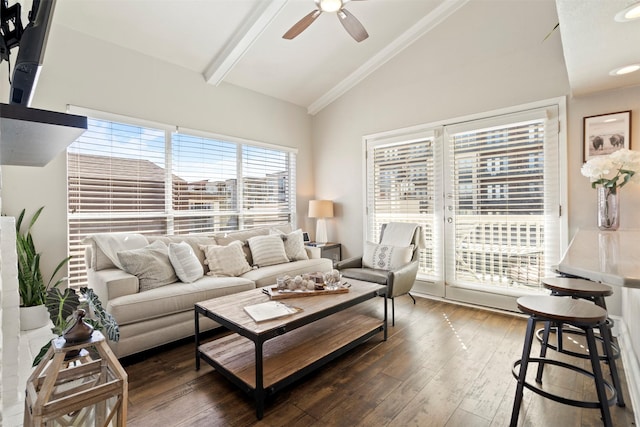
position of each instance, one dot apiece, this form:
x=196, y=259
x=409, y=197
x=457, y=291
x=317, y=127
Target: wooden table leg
x=259, y=391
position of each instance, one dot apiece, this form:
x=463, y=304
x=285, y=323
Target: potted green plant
x=61, y=305
x=31, y=286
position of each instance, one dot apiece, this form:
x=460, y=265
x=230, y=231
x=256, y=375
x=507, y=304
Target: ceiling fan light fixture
x=625, y=70
x=330, y=5
x=348, y=21
x=629, y=13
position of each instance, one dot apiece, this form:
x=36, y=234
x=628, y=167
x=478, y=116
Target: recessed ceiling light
x=625, y=70
x=629, y=13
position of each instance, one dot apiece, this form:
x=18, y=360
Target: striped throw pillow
x=267, y=250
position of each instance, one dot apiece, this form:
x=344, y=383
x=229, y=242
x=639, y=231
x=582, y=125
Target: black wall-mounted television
x=31, y=52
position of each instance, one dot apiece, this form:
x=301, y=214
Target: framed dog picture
x=606, y=133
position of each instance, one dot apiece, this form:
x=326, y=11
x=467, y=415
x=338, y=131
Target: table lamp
x=321, y=209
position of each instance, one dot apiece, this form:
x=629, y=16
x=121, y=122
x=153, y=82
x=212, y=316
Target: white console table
x=611, y=257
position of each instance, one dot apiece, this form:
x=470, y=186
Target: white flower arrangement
x=613, y=171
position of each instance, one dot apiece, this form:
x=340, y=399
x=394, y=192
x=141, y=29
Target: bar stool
x=590, y=291
x=579, y=314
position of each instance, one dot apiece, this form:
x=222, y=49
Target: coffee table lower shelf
x=287, y=358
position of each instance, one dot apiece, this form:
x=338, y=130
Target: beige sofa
x=163, y=314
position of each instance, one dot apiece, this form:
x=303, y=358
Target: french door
x=487, y=194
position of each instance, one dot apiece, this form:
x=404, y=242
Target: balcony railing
x=500, y=250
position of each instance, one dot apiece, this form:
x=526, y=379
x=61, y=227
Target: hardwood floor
x=443, y=365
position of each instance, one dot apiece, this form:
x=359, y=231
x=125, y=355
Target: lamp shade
x=320, y=209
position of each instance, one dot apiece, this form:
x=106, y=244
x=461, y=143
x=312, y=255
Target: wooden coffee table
x=262, y=358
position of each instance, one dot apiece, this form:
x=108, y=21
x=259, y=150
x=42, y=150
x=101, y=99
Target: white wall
x=440, y=78
x=582, y=198
x=448, y=74
x=414, y=88
x=89, y=73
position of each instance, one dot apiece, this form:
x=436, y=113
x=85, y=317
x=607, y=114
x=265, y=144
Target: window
x=486, y=192
x=502, y=229
x=129, y=178
x=401, y=187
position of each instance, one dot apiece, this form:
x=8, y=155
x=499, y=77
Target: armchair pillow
x=150, y=264
x=185, y=262
x=293, y=245
x=226, y=261
x=386, y=257
x=267, y=250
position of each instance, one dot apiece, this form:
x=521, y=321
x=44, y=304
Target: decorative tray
x=274, y=293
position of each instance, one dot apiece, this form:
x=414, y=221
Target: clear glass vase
x=608, y=209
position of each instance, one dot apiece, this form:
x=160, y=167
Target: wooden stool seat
x=563, y=310
x=577, y=287
x=577, y=313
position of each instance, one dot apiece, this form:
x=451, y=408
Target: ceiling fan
x=348, y=21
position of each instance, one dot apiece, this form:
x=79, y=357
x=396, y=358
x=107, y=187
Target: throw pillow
x=226, y=261
x=185, y=262
x=267, y=250
x=193, y=240
x=150, y=264
x=242, y=236
x=293, y=245
x=386, y=257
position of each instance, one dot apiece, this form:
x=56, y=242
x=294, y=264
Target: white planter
x=33, y=317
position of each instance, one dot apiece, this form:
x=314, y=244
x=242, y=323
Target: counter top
x=611, y=257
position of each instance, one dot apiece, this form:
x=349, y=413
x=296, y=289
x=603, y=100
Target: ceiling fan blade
x=352, y=25
x=302, y=25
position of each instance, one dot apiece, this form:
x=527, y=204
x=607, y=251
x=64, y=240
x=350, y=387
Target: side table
x=330, y=250
x=71, y=387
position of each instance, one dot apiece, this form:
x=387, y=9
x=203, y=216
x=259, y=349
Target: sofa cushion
x=105, y=247
x=226, y=261
x=267, y=250
x=150, y=264
x=386, y=257
x=265, y=276
x=173, y=298
x=193, y=240
x=367, y=275
x=283, y=228
x=185, y=262
x=241, y=236
x=293, y=244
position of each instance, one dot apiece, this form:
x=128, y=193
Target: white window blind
x=503, y=191
x=116, y=183
x=131, y=178
x=402, y=187
x=268, y=186
x=110, y=159
x=205, y=176
x=487, y=193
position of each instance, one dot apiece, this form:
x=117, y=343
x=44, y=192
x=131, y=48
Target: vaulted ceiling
x=240, y=41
